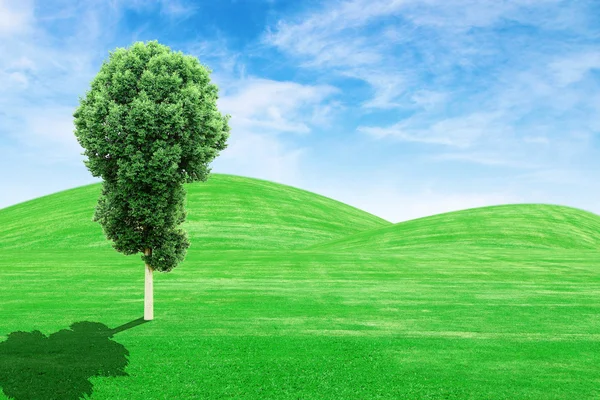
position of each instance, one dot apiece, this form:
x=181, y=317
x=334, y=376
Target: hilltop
x=226, y=212
x=503, y=226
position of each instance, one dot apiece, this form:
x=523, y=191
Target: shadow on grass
x=38, y=367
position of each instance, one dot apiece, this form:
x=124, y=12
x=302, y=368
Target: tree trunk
x=148, y=292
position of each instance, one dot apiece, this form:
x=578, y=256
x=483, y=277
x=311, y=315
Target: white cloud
x=461, y=15
x=54, y=73
x=332, y=35
x=273, y=105
x=16, y=17
x=170, y=8
x=19, y=78
x=261, y=110
x=552, y=99
x=324, y=38
x=329, y=20
x=351, y=38
x=178, y=8
x=485, y=158
x=572, y=68
x=226, y=65
x=213, y=49
x=460, y=132
x=63, y=67
x=343, y=37
x=323, y=115
x=23, y=63
x=428, y=99
x=388, y=86
x=544, y=82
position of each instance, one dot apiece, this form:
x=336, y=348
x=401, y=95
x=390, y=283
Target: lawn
x=288, y=295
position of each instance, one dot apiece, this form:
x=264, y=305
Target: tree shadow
x=38, y=367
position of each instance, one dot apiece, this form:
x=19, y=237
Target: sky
x=402, y=108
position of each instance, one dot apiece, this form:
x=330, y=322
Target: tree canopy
x=148, y=125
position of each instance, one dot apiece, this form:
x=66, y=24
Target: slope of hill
x=224, y=213
x=423, y=321
x=505, y=226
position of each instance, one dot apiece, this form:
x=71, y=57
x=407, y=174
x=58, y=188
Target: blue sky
x=403, y=108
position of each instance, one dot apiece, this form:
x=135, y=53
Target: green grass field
x=285, y=294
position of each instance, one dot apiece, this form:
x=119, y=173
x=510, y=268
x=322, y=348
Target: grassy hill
x=224, y=213
x=377, y=310
x=518, y=226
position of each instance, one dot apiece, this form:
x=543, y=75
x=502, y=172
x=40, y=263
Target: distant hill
x=504, y=226
x=226, y=212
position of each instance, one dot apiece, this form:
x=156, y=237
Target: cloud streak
x=433, y=105
x=15, y=17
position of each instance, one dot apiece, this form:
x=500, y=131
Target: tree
x=148, y=125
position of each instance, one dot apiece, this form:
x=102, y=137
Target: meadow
x=285, y=294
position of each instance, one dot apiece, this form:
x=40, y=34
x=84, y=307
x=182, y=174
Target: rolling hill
x=376, y=310
x=501, y=227
x=226, y=212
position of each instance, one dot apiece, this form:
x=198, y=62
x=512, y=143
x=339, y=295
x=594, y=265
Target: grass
x=503, y=227
x=288, y=295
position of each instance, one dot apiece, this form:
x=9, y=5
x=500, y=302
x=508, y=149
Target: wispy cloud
x=261, y=112
x=574, y=67
x=414, y=101
x=171, y=8
x=42, y=79
x=179, y=8
x=507, y=85
x=459, y=132
x=446, y=63
x=50, y=53
x=484, y=158
x=214, y=51
x=57, y=73
x=16, y=17
x=274, y=105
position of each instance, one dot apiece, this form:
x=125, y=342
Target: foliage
x=148, y=125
